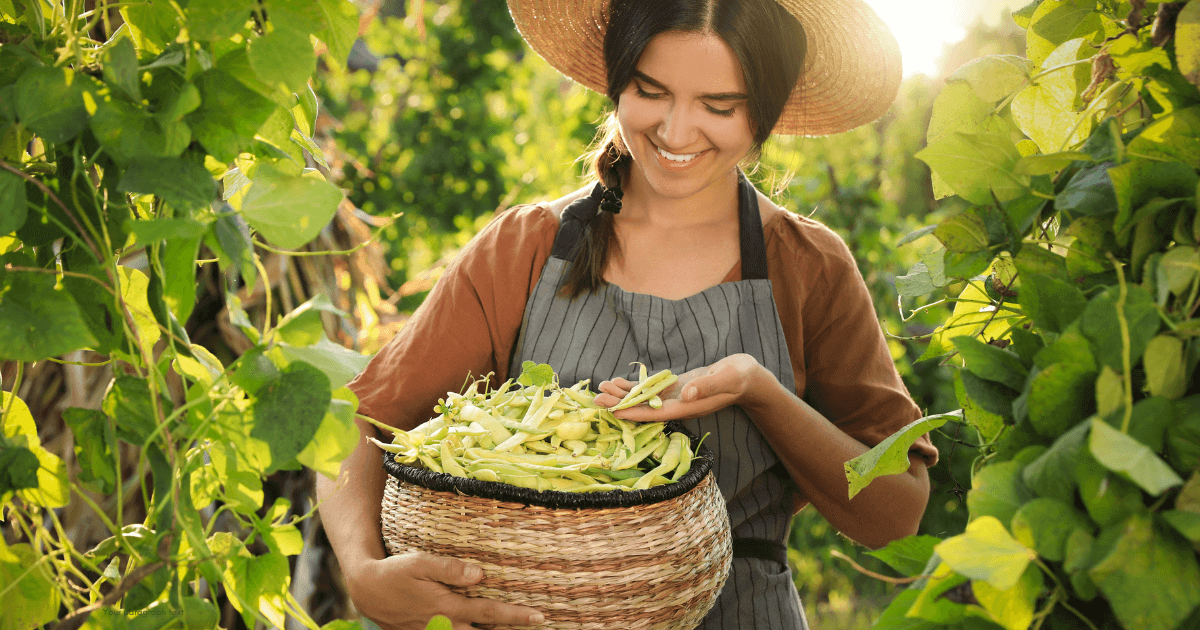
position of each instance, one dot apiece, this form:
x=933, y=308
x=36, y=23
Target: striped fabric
x=599, y=335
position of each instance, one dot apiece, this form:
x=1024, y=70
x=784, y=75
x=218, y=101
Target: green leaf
x=990, y=396
x=35, y=599
x=995, y=76
x=288, y=411
x=1089, y=192
x=121, y=69
x=932, y=604
x=289, y=211
x=997, y=491
x=1125, y=455
x=341, y=28
x=1054, y=23
x=977, y=166
x=12, y=202
x=50, y=102
x=1186, y=523
x=128, y=132
x=963, y=232
x=1177, y=271
x=918, y=282
x=20, y=431
x=335, y=438
x=1166, y=367
x=988, y=424
x=1049, y=111
x=130, y=405
x=277, y=132
x=1051, y=303
x=340, y=364
x=148, y=232
x=1012, y=608
x=1152, y=581
x=179, y=276
x=155, y=24
x=183, y=183
x=1174, y=137
x=38, y=319
x=303, y=326
x=1044, y=524
x=95, y=447
x=890, y=456
x=1100, y=323
x=1049, y=163
x=239, y=473
x=907, y=555
x=258, y=584
x=986, y=551
x=991, y=363
x=231, y=241
x=225, y=136
x=134, y=292
x=1051, y=475
x=536, y=374
x=1060, y=396
x=209, y=20
x=1137, y=182
x=285, y=57
x=1183, y=434
x=1187, y=42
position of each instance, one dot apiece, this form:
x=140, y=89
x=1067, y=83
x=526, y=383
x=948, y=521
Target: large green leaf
x=986, y=551
x=209, y=20
x=121, y=69
x=890, y=456
x=998, y=491
x=179, y=275
x=1089, y=192
x=50, y=102
x=1052, y=475
x=288, y=411
x=1012, y=608
x=1175, y=136
x=1055, y=23
x=258, y=584
x=12, y=202
x=341, y=28
x=181, y=182
x=1177, y=270
x=1052, y=303
x=37, y=319
x=131, y=406
x=1152, y=581
x=289, y=211
x=20, y=431
x=1137, y=182
x=1049, y=111
x=283, y=57
x=339, y=363
x=127, y=132
x=336, y=437
x=1123, y=454
x=1166, y=367
x=907, y=555
x=995, y=76
x=1101, y=324
x=1060, y=396
x=95, y=447
x=977, y=166
x=35, y=599
x=1187, y=42
x=1108, y=497
x=990, y=362
x=215, y=124
x=1044, y=524
x=990, y=396
x=304, y=326
x=1183, y=434
x=988, y=424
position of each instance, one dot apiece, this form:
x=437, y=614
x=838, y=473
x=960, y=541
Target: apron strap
x=579, y=214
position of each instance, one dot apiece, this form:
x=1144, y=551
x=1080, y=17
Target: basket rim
x=557, y=499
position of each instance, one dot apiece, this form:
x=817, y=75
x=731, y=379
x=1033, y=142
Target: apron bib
x=599, y=335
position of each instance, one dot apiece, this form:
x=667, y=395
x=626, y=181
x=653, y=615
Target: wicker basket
x=653, y=558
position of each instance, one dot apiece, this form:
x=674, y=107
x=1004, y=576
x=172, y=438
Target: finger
x=617, y=386
x=445, y=570
x=491, y=612
x=607, y=400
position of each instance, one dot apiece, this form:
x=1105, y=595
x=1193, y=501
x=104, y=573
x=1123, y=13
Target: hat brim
x=852, y=69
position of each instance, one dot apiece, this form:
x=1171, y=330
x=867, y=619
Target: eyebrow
x=720, y=96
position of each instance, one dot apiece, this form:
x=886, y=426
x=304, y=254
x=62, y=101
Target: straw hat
x=851, y=71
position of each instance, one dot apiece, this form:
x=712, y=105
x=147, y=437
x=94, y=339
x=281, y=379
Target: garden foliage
x=136, y=140
x=1073, y=254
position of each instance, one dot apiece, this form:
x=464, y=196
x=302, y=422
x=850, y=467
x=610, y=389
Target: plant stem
x=1126, y=362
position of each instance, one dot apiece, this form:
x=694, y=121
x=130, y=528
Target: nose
x=678, y=130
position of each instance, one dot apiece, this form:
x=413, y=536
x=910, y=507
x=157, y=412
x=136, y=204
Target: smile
x=676, y=158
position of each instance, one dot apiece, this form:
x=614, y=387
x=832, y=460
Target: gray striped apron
x=598, y=335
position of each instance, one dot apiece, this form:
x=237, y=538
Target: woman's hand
x=404, y=592
x=733, y=380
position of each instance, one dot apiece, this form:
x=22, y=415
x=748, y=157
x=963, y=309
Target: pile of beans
x=546, y=437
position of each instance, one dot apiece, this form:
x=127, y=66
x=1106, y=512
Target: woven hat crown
x=852, y=67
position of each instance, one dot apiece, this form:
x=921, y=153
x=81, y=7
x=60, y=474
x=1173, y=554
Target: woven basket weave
x=645, y=560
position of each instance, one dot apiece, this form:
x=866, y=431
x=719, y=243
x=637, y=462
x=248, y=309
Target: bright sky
x=924, y=27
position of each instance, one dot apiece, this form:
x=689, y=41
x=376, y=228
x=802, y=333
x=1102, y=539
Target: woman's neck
x=715, y=203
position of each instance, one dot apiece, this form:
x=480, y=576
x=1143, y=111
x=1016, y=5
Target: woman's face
x=683, y=117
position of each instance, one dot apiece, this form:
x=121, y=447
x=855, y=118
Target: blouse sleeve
x=846, y=370
x=466, y=327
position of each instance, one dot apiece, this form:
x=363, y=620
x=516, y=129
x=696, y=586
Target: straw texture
x=852, y=70
x=654, y=565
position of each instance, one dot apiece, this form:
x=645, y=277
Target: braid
x=609, y=165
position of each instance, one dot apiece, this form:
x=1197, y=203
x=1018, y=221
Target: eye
x=644, y=94
x=720, y=112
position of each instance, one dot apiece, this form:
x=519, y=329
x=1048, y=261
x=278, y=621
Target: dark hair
x=768, y=43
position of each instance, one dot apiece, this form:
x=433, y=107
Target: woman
x=672, y=259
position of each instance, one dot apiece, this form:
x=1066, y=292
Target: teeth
x=676, y=158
